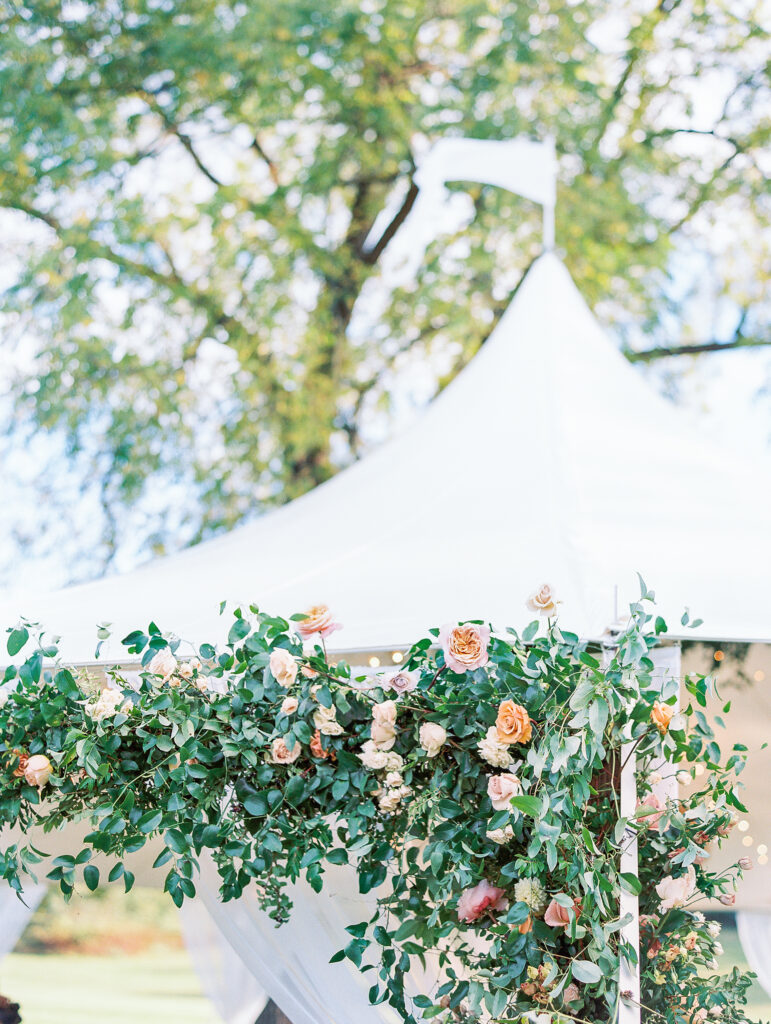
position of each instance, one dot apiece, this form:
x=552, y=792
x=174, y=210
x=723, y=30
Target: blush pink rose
x=501, y=788
x=480, y=899
x=557, y=916
x=403, y=682
x=317, y=619
x=651, y=821
x=465, y=646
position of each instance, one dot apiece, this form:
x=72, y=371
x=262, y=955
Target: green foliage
x=206, y=186
x=209, y=757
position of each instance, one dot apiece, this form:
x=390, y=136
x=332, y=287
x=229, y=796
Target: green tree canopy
x=206, y=192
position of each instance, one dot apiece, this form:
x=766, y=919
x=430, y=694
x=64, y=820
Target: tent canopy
x=548, y=459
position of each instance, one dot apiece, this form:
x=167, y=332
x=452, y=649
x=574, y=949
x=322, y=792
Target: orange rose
x=661, y=716
x=317, y=619
x=316, y=748
x=513, y=723
x=465, y=647
x=526, y=926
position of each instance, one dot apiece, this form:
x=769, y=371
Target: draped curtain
x=755, y=937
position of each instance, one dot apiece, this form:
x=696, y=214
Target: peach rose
x=513, y=723
x=662, y=715
x=480, y=899
x=280, y=752
x=316, y=748
x=465, y=647
x=289, y=705
x=557, y=916
x=432, y=738
x=383, y=731
x=651, y=821
x=571, y=993
x=38, y=770
x=163, y=663
x=317, y=619
x=501, y=788
x=526, y=926
x=283, y=667
x=543, y=601
x=403, y=682
x=21, y=766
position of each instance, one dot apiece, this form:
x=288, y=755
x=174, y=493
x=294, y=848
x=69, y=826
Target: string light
x=759, y=676
x=397, y=657
x=747, y=841
x=374, y=662
x=719, y=655
x=762, y=859
x=762, y=849
x=743, y=826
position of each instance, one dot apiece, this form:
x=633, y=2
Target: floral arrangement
x=475, y=790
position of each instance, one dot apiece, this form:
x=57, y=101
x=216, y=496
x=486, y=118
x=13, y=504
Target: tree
x=203, y=186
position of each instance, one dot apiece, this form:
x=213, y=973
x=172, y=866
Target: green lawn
x=147, y=988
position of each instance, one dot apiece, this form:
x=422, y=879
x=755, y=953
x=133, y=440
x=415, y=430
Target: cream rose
x=513, y=723
x=317, y=619
x=675, y=892
x=325, y=720
x=465, y=646
x=283, y=667
x=501, y=788
x=185, y=670
x=373, y=758
x=107, y=704
x=432, y=738
x=493, y=751
x=163, y=663
x=543, y=601
x=280, y=752
x=383, y=731
x=289, y=705
x=37, y=770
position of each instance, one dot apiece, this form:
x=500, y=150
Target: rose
x=675, y=892
x=316, y=747
x=289, y=705
x=163, y=663
x=372, y=757
x=651, y=821
x=383, y=730
x=661, y=716
x=317, y=619
x=493, y=751
x=107, y=705
x=432, y=738
x=501, y=788
x=513, y=723
x=727, y=899
x=38, y=770
x=684, y=778
x=478, y=900
x=543, y=601
x=745, y=863
x=403, y=682
x=283, y=667
x=326, y=721
x=500, y=836
x=186, y=670
x=465, y=646
x=571, y=993
x=280, y=752
x=557, y=916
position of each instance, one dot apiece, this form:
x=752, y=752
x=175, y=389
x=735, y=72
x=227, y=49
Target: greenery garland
x=474, y=790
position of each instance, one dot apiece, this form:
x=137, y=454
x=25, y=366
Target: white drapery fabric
x=755, y=937
x=225, y=979
x=15, y=915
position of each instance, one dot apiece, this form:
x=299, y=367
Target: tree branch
x=371, y=256
x=649, y=355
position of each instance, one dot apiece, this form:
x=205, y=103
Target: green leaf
x=17, y=638
x=586, y=971
x=91, y=876
x=150, y=821
x=530, y=805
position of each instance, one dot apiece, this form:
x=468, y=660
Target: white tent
x=549, y=458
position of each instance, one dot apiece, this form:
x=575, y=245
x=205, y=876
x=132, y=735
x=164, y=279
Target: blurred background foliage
x=197, y=308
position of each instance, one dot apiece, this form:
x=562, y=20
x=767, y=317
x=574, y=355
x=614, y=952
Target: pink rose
x=651, y=821
x=465, y=647
x=675, y=892
x=283, y=667
x=403, y=682
x=317, y=619
x=543, y=601
x=501, y=788
x=571, y=993
x=557, y=916
x=480, y=899
x=37, y=770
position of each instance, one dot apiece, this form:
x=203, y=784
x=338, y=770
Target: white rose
x=432, y=738
x=493, y=751
x=383, y=736
x=714, y=928
x=384, y=713
x=108, y=704
x=389, y=800
x=186, y=670
x=654, y=778
x=326, y=721
x=393, y=762
x=684, y=778
x=289, y=705
x=393, y=779
x=543, y=601
x=675, y=892
x=501, y=836
x=373, y=758
x=283, y=667
x=163, y=663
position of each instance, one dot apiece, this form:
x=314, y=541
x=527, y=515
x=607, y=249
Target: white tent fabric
x=755, y=936
x=548, y=458
x=225, y=979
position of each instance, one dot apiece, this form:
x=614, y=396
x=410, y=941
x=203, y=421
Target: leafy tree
x=207, y=193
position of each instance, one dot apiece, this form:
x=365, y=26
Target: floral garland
x=474, y=790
